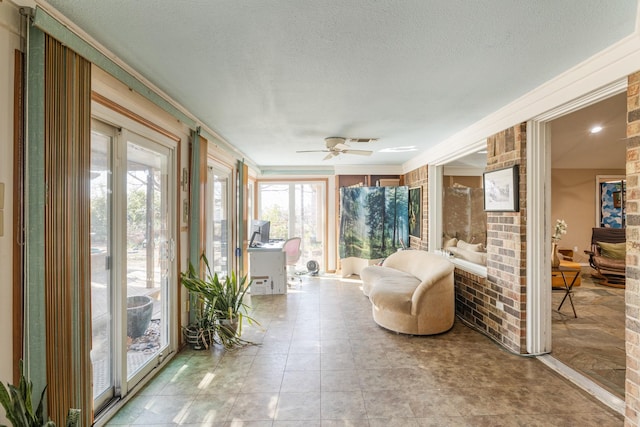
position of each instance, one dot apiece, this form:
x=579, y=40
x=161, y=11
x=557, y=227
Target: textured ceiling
x=573, y=146
x=273, y=77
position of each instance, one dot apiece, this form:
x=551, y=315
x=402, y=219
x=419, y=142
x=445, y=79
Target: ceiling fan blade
x=358, y=152
x=341, y=147
x=312, y=151
x=331, y=155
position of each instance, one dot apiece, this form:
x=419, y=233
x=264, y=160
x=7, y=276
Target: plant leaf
x=19, y=408
x=6, y=402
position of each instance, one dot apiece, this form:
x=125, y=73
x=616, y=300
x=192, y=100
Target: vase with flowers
x=559, y=229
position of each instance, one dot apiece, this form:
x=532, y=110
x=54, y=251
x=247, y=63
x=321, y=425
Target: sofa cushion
x=610, y=263
x=394, y=293
x=449, y=243
x=372, y=274
x=421, y=264
x=472, y=256
x=473, y=247
x=613, y=250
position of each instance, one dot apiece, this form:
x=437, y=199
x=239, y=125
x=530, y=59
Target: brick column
x=632, y=294
x=506, y=247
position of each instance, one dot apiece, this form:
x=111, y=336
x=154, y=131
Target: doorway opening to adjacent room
x=563, y=185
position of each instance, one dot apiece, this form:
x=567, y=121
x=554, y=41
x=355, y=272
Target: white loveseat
x=412, y=292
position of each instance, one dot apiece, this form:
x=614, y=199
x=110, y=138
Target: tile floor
x=594, y=342
x=322, y=361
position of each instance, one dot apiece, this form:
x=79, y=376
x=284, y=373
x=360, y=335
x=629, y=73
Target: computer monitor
x=259, y=231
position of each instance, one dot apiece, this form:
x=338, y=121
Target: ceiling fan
x=338, y=145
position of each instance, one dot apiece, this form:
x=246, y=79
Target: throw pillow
x=450, y=243
x=473, y=256
x=478, y=247
x=613, y=250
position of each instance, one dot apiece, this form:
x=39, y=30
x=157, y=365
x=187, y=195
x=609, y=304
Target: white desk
x=268, y=269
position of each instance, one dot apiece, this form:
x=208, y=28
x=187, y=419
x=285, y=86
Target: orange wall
x=573, y=198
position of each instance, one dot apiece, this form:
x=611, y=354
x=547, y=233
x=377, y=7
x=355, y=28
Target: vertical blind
x=67, y=263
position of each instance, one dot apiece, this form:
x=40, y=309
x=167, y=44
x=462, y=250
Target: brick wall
x=476, y=297
x=420, y=178
x=474, y=302
x=632, y=294
x=506, y=249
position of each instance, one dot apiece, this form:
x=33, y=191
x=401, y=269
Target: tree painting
x=373, y=221
x=415, y=211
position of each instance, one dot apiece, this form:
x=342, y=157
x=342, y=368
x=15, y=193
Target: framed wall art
x=415, y=212
x=501, y=190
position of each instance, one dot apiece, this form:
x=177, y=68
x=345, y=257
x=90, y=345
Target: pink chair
x=291, y=248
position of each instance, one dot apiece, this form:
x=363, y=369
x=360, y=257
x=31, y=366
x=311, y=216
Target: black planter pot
x=199, y=338
x=139, y=311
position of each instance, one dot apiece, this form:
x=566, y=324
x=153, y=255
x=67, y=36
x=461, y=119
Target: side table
x=567, y=268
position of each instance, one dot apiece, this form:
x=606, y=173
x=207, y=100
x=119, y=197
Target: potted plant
x=201, y=333
x=19, y=408
x=220, y=307
x=231, y=309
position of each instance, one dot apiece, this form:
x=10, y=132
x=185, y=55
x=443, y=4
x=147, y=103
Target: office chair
x=291, y=248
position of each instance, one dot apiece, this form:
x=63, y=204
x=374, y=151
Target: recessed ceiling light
x=596, y=129
x=399, y=149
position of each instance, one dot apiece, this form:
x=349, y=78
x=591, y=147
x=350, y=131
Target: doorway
x=132, y=257
x=588, y=161
x=564, y=159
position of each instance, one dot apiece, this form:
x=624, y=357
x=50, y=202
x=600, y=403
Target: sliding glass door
x=132, y=236
x=149, y=252
x=102, y=291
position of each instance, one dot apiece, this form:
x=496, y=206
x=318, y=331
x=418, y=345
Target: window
x=296, y=210
x=218, y=225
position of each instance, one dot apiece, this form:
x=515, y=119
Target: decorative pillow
x=473, y=256
x=450, y=243
x=613, y=250
x=478, y=247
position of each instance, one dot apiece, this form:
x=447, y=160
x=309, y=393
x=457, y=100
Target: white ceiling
x=573, y=146
x=273, y=77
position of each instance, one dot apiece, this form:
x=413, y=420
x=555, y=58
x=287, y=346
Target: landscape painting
x=415, y=212
x=373, y=221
